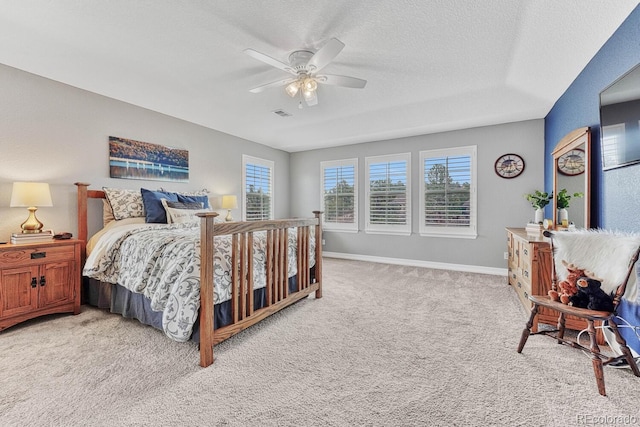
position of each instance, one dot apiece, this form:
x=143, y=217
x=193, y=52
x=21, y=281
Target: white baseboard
x=418, y=263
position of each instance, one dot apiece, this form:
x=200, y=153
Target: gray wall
x=500, y=201
x=55, y=133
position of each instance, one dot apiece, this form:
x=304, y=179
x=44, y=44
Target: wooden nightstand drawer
x=38, y=279
x=36, y=255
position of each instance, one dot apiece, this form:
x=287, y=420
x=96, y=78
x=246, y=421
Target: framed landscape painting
x=132, y=159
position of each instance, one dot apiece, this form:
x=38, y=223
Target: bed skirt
x=120, y=300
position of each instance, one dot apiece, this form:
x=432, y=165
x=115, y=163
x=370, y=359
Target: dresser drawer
x=525, y=273
x=33, y=255
x=523, y=289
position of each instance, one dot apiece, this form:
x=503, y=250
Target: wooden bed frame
x=277, y=291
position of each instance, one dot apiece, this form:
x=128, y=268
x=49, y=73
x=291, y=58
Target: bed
x=206, y=280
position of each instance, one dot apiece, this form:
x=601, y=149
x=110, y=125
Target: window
x=257, y=188
x=448, y=197
x=388, y=194
x=339, y=180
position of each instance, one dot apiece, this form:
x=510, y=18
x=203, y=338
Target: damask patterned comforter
x=162, y=262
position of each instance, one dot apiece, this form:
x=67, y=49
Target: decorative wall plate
x=572, y=162
x=509, y=165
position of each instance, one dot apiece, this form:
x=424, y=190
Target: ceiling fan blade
x=311, y=98
x=325, y=55
x=278, y=83
x=269, y=60
x=346, y=81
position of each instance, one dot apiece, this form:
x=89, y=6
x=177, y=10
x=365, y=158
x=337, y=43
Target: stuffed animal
x=591, y=296
x=567, y=288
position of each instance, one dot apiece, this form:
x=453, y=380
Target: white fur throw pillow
x=605, y=253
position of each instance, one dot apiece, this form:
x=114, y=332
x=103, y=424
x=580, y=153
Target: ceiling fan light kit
x=304, y=65
x=292, y=88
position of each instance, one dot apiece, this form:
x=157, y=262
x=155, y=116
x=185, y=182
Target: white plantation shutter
x=339, y=180
x=448, y=201
x=257, y=189
x=388, y=194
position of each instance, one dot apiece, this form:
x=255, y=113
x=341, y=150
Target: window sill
x=390, y=233
x=450, y=235
x=338, y=230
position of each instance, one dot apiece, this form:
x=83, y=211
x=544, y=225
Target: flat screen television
x=620, y=121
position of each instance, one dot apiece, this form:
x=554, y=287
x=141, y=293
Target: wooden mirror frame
x=579, y=138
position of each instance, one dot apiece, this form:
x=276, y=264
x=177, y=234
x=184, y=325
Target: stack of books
x=44, y=236
x=534, y=228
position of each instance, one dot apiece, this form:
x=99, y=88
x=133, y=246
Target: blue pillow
x=153, y=209
x=194, y=199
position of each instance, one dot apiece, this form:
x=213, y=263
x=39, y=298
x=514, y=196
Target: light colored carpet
x=386, y=346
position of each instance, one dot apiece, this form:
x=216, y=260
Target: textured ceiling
x=431, y=66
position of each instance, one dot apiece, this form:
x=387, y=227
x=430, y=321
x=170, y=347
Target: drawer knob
x=43, y=281
x=34, y=282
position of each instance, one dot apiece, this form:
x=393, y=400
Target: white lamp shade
x=229, y=202
x=30, y=194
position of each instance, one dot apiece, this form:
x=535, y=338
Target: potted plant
x=539, y=200
x=563, y=198
x=562, y=203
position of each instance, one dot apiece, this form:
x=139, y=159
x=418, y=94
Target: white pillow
x=183, y=212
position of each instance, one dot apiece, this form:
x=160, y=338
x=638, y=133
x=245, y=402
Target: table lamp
x=229, y=202
x=31, y=195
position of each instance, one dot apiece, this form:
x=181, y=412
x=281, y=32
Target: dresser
x=38, y=279
x=529, y=265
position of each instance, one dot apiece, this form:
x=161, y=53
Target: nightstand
x=38, y=279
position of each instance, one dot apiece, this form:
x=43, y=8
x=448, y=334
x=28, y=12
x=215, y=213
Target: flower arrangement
x=539, y=199
x=563, y=198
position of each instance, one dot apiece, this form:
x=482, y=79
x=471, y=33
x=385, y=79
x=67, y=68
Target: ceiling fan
x=305, y=65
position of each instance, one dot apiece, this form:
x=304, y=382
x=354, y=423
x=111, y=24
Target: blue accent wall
x=615, y=202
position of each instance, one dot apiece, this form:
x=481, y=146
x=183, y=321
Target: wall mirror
x=572, y=171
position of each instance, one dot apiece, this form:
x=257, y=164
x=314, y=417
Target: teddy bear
x=591, y=296
x=567, y=288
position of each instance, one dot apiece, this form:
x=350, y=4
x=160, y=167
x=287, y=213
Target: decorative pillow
x=203, y=192
x=192, y=196
x=153, y=208
x=107, y=213
x=194, y=199
x=178, y=212
x=124, y=203
x=184, y=205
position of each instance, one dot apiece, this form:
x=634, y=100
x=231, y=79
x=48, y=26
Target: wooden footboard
x=276, y=290
x=242, y=235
